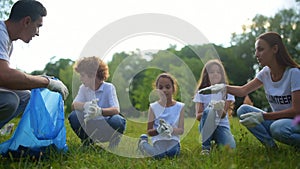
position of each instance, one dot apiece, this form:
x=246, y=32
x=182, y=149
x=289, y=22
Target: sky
x=71, y=24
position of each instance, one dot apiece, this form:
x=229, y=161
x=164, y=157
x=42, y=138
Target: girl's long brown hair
x=204, y=78
x=282, y=56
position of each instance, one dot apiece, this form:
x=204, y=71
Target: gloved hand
x=91, y=110
x=252, y=119
x=88, y=104
x=164, y=129
x=218, y=107
x=213, y=89
x=57, y=86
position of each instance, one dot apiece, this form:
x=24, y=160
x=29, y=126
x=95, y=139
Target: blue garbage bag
x=41, y=127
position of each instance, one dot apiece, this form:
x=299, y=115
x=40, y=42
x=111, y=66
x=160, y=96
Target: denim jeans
x=12, y=103
x=162, y=148
x=268, y=131
x=110, y=128
x=211, y=131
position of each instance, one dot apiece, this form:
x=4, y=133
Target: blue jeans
x=211, y=131
x=12, y=103
x=162, y=148
x=109, y=129
x=281, y=130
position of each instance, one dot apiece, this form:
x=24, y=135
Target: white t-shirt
x=106, y=94
x=170, y=114
x=6, y=45
x=279, y=94
x=207, y=98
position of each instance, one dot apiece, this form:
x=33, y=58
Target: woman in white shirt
x=280, y=79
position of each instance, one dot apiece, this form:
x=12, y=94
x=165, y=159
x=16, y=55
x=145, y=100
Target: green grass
x=248, y=154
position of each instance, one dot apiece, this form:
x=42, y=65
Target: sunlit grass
x=248, y=154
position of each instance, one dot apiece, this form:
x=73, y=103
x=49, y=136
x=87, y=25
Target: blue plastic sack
x=40, y=128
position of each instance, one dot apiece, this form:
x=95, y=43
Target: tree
x=141, y=89
x=65, y=75
x=5, y=6
x=115, y=62
x=53, y=69
x=124, y=69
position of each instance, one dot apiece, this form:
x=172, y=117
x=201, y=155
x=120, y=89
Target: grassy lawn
x=248, y=154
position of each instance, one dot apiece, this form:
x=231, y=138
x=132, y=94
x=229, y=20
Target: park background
x=238, y=59
x=241, y=66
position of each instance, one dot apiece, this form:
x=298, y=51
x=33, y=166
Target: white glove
x=88, y=104
x=57, y=86
x=91, y=110
x=218, y=105
x=164, y=129
x=252, y=119
x=213, y=89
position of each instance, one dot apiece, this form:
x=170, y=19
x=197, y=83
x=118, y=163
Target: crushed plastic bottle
x=7, y=129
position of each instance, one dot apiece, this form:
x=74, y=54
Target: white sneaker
x=205, y=152
x=143, y=139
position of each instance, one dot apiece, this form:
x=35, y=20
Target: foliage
x=115, y=62
x=5, y=6
x=238, y=59
x=66, y=75
x=127, y=69
x=54, y=68
x=133, y=73
x=141, y=94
